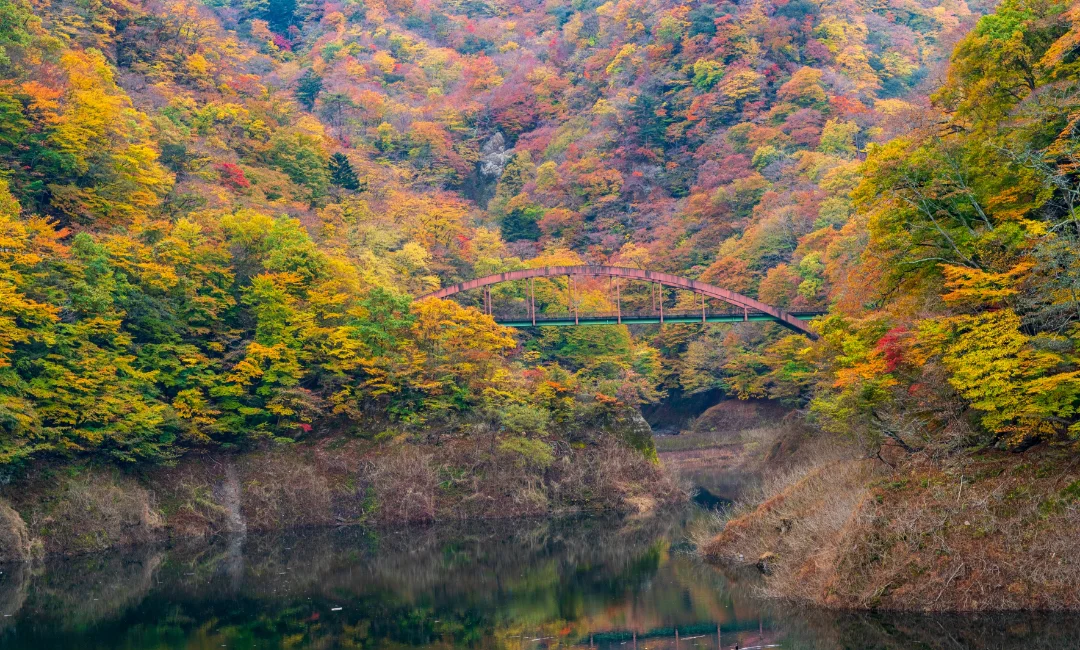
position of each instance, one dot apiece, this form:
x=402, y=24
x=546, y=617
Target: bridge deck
x=613, y=318
x=616, y=274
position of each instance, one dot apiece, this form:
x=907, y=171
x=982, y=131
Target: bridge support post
x=745, y=314
x=660, y=289
x=618, y=302
x=569, y=294
x=702, y=308
x=532, y=301
x=570, y=289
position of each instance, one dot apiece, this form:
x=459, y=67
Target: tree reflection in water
x=518, y=585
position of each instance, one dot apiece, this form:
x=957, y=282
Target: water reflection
x=515, y=585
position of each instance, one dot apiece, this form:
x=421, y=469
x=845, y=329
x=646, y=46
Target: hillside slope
x=989, y=533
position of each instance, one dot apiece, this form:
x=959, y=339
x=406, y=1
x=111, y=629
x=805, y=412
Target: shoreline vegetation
x=66, y=509
x=994, y=532
x=825, y=525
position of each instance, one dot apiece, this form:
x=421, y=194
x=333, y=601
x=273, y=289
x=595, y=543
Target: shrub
x=528, y=452
x=523, y=419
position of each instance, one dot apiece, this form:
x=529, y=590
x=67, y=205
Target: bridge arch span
x=664, y=279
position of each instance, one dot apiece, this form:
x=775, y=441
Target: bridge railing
x=705, y=291
x=524, y=315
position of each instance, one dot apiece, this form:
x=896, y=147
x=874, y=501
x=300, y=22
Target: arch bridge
x=738, y=308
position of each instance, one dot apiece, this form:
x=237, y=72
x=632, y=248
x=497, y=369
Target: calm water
x=518, y=585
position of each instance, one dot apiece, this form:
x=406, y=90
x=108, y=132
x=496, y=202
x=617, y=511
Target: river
x=525, y=585
x=607, y=583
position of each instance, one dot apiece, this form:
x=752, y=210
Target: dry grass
x=620, y=479
x=15, y=545
x=328, y=482
x=793, y=535
x=405, y=484
x=88, y=510
x=788, y=523
x=735, y=416
x=470, y=480
x=998, y=531
x=300, y=485
x=280, y=492
x=781, y=471
x=186, y=498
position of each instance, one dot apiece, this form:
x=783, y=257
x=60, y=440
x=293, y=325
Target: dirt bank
x=59, y=510
x=988, y=532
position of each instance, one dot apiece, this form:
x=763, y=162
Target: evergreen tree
x=308, y=88
x=651, y=127
x=280, y=14
x=521, y=223
x=341, y=172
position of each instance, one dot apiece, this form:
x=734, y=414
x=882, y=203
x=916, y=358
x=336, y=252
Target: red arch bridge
x=735, y=307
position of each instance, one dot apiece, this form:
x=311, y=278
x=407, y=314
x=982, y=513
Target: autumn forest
x=215, y=216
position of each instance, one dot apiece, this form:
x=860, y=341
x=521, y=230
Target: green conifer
x=341, y=172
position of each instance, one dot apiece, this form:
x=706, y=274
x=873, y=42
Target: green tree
x=341, y=172
x=17, y=26
x=308, y=88
x=1002, y=60
x=302, y=157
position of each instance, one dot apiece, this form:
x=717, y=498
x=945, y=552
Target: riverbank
x=994, y=531
x=71, y=509
x=820, y=522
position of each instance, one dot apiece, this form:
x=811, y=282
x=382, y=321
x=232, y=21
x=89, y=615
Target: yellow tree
x=1024, y=386
x=461, y=352
x=110, y=172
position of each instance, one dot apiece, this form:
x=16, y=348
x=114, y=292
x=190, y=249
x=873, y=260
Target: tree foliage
x=186, y=257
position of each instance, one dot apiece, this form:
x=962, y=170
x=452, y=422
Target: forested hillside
x=214, y=215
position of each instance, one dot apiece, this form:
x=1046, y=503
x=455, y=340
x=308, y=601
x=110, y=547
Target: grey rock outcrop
x=494, y=156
